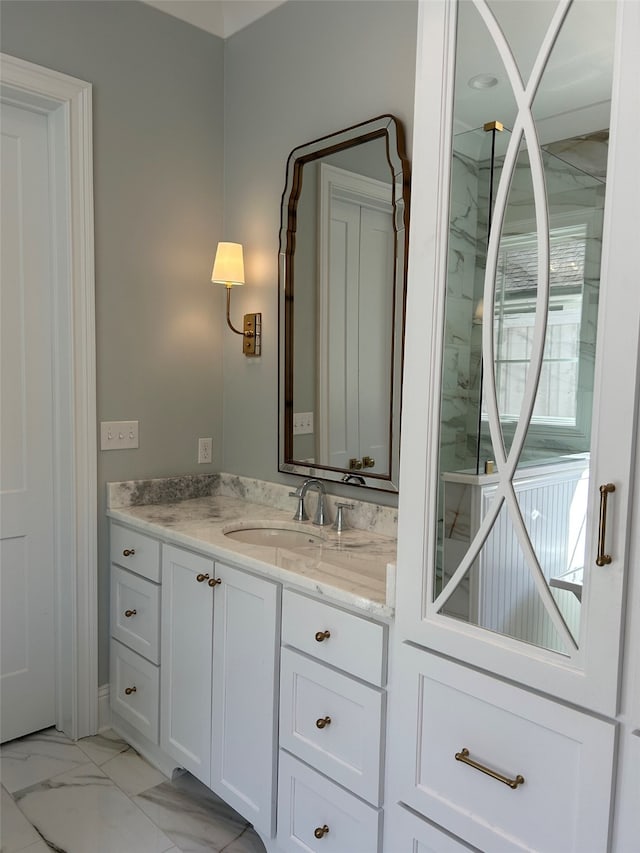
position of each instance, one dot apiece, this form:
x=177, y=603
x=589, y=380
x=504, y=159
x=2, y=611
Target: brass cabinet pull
x=201, y=578
x=323, y=722
x=603, y=559
x=355, y=464
x=368, y=462
x=129, y=690
x=128, y=613
x=128, y=552
x=463, y=756
x=214, y=581
x=322, y=635
x=321, y=831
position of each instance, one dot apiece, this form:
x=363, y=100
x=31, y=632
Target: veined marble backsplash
x=164, y=490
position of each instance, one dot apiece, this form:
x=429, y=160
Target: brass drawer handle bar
x=129, y=690
x=128, y=613
x=323, y=722
x=129, y=552
x=603, y=559
x=463, y=756
x=321, y=831
x=322, y=635
x=214, y=581
x=201, y=578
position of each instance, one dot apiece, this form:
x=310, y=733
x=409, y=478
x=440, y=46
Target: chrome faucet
x=322, y=515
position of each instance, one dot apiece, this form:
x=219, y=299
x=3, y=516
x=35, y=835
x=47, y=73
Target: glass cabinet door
x=530, y=437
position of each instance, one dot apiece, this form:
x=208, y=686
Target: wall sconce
x=228, y=269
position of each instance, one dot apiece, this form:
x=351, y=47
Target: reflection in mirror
x=526, y=210
x=343, y=272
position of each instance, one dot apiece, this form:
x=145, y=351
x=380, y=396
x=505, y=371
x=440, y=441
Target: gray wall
x=304, y=70
x=164, y=93
x=158, y=157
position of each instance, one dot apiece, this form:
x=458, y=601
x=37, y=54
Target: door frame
x=66, y=102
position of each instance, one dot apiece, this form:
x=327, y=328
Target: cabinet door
x=245, y=684
x=186, y=646
x=531, y=356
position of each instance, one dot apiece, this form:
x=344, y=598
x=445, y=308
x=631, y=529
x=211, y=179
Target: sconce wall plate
x=252, y=344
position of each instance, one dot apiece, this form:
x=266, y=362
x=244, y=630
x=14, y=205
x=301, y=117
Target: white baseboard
x=104, y=707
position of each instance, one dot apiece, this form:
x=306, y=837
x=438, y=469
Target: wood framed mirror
x=342, y=279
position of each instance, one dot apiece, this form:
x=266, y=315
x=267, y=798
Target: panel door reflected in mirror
x=342, y=299
x=527, y=201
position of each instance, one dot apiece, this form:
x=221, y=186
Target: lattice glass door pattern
x=521, y=317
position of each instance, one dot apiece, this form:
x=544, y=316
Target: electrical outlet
x=205, y=450
x=119, y=435
x=302, y=423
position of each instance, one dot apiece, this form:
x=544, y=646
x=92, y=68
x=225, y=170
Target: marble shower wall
x=575, y=197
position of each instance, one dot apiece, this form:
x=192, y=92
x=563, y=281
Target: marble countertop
x=355, y=568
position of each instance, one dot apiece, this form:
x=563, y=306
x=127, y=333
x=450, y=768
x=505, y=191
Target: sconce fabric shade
x=228, y=267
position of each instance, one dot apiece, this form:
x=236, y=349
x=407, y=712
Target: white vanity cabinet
x=274, y=699
x=332, y=724
x=220, y=643
x=478, y=703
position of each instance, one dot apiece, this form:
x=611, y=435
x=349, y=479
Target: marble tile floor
x=99, y=796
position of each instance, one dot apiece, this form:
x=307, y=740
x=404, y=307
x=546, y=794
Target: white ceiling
x=221, y=17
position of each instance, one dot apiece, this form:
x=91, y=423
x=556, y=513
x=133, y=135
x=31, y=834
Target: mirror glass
x=343, y=244
x=531, y=117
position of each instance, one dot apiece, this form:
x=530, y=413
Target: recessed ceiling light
x=483, y=81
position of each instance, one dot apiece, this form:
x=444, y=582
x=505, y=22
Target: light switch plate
x=119, y=435
x=302, y=423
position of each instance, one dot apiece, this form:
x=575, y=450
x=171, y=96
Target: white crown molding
x=221, y=18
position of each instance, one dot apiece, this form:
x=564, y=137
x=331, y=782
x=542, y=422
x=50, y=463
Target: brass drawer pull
x=128, y=552
x=321, y=831
x=201, y=578
x=129, y=613
x=214, y=581
x=322, y=635
x=323, y=722
x=463, y=756
x=603, y=559
x=130, y=690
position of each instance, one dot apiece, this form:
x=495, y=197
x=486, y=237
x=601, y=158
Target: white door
x=27, y=648
x=357, y=351
x=375, y=324
x=585, y=672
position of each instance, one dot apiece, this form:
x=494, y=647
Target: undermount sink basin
x=275, y=535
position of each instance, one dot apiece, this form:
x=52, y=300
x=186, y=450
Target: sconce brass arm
x=246, y=333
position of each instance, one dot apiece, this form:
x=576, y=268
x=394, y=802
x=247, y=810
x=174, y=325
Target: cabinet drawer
x=135, y=613
x=404, y=830
x=308, y=802
x=140, y=706
x=135, y=551
x=347, y=746
x=564, y=756
x=354, y=644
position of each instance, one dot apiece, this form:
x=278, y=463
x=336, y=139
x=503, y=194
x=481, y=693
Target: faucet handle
x=300, y=513
x=340, y=524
